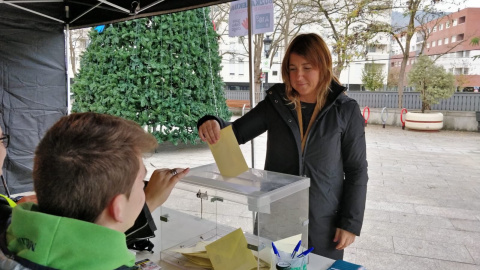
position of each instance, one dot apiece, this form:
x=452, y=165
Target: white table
x=178, y=233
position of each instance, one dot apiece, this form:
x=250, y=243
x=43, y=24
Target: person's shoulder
x=278, y=88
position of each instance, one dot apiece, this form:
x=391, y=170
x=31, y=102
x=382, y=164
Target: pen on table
x=303, y=254
x=275, y=250
x=295, y=250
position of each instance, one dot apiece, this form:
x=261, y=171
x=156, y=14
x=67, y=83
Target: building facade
x=448, y=39
x=235, y=72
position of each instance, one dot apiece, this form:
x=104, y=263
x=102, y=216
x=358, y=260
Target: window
x=392, y=64
x=428, y=45
x=371, y=48
x=465, y=71
x=460, y=37
x=241, y=66
x=466, y=54
x=435, y=28
x=458, y=71
x=440, y=28
x=454, y=22
x=434, y=43
x=274, y=73
x=231, y=63
x=461, y=20
x=447, y=24
x=454, y=38
x=445, y=41
x=439, y=42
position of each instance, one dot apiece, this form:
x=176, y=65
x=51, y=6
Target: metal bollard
x=401, y=117
x=386, y=116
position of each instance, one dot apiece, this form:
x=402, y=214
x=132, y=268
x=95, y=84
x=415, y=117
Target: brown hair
x=84, y=161
x=313, y=48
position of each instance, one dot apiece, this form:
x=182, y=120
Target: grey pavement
x=423, y=201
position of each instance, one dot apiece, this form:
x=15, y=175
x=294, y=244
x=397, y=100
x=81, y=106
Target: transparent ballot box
x=205, y=206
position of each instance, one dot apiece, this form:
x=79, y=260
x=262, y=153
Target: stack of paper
x=228, y=252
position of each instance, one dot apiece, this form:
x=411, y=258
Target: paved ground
x=423, y=202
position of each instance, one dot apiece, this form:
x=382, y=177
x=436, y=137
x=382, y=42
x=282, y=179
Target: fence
x=243, y=95
x=411, y=100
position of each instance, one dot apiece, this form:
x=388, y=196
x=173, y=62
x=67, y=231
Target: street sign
x=265, y=65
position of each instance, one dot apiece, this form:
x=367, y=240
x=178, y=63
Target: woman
x=317, y=131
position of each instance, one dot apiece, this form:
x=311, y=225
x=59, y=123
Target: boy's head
x=86, y=162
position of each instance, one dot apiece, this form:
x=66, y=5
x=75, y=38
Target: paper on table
x=231, y=252
x=227, y=154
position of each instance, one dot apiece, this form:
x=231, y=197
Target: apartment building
x=235, y=72
x=449, y=39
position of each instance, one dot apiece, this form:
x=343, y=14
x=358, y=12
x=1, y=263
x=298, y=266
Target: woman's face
x=304, y=77
x=3, y=152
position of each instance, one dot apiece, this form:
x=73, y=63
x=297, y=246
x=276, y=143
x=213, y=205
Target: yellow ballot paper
x=231, y=252
x=227, y=154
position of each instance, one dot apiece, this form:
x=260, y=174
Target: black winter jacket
x=334, y=159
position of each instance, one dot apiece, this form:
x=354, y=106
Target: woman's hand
x=161, y=184
x=209, y=131
x=344, y=238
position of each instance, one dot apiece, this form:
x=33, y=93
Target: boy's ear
x=116, y=208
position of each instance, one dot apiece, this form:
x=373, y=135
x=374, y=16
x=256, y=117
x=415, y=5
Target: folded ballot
x=228, y=252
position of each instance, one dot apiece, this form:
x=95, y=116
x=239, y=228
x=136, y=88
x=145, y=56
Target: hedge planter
x=424, y=121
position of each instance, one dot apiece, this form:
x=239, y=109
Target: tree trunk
x=72, y=53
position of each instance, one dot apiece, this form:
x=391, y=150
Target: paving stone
x=421, y=220
x=446, y=212
x=475, y=253
x=393, y=207
x=392, y=229
x=374, y=260
x=376, y=215
x=453, y=236
x=374, y=242
x=434, y=250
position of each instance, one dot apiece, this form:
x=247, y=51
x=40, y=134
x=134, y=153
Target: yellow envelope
x=205, y=262
x=231, y=252
x=227, y=154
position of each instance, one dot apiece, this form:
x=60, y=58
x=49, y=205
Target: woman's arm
x=352, y=205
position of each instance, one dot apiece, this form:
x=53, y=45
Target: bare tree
x=77, y=43
x=349, y=24
x=414, y=11
x=291, y=16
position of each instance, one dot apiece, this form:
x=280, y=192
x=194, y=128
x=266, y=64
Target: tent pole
x=251, y=69
x=32, y=11
x=67, y=51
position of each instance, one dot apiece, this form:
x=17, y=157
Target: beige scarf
x=298, y=107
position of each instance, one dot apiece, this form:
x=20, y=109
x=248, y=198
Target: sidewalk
x=423, y=201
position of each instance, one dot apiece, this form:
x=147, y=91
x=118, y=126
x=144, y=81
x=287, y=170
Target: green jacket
x=65, y=243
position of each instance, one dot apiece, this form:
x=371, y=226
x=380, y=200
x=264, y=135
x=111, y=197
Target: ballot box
x=257, y=207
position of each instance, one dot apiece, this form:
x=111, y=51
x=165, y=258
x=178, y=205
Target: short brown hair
x=313, y=48
x=84, y=161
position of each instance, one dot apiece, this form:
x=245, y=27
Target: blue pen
x=303, y=254
x=295, y=250
x=275, y=250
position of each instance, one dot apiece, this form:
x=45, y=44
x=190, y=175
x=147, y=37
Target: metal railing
x=411, y=100
x=243, y=95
